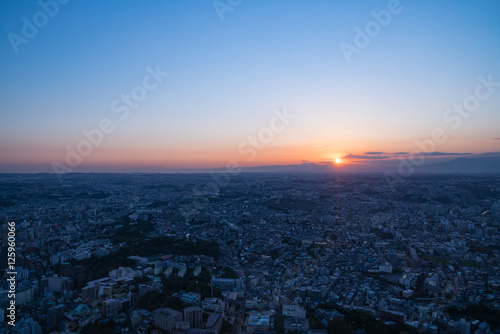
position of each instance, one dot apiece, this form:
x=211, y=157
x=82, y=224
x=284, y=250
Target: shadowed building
x=165, y=318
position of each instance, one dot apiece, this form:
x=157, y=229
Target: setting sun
x=338, y=161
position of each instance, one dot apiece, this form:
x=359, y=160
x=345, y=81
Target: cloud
x=441, y=154
x=496, y=138
x=365, y=157
x=324, y=162
x=382, y=156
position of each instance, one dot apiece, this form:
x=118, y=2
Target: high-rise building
x=316, y=295
x=22, y=274
x=25, y=295
x=59, y=284
x=54, y=315
x=214, y=323
x=111, y=307
x=89, y=293
x=193, y=315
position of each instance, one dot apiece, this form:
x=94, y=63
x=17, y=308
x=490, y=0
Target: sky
x=200, y=84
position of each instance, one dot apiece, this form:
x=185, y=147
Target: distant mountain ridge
x=475, y=165
x=307, y=167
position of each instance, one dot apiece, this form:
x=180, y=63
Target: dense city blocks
x=277, y=253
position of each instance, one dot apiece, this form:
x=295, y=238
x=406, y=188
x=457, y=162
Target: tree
x=338, y=326
x=226, y=327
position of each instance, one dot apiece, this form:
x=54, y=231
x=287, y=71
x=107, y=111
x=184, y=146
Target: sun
x=338, y=161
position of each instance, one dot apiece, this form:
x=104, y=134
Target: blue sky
x=226, y=77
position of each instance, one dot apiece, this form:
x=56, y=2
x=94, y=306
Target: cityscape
x=280, y=253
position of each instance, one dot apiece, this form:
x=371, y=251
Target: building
x=463, y=326
x=89, y=293
x=165, y=318
x=325, y=316
x=27, y=326
x=214, y=323
x=194, y=316
x=408, y=293
x=25, y=295
x=483, y=328
x=294, y=311
x=59, y=284
x=227, y=284
x=260, y=322
x=316, y=295
x=54, y=315
x=213, y=305
x=22, y=274
x=181, y=327
x=408, y=280
x=296, y=325
x=111, y=307
x=385, y=268
x=191, y=298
